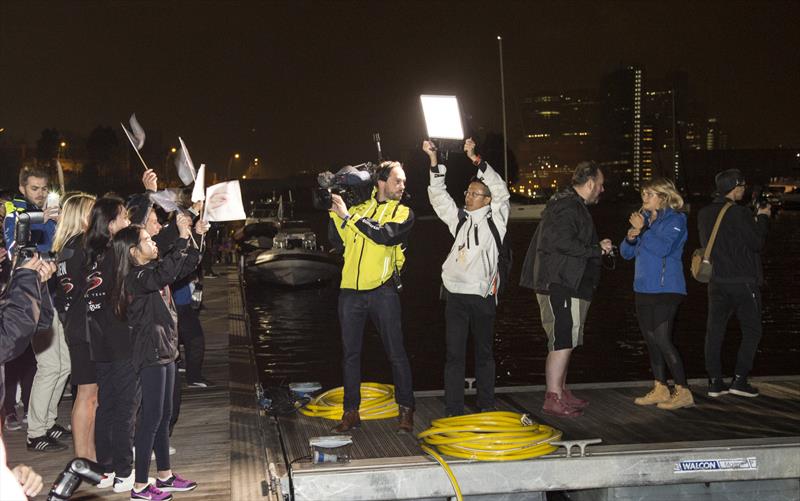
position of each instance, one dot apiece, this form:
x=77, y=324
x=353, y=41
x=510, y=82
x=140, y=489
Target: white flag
x=199, y=191
x=137, y=131
x=166, y=199
x=183, y=162
x=224, y=202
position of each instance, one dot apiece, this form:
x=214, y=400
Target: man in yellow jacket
x=373, y=234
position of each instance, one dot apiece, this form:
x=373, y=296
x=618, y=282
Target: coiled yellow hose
x=488, y=436
x=377, y=402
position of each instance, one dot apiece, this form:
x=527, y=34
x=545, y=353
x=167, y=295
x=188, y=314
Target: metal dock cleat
x=569, y=444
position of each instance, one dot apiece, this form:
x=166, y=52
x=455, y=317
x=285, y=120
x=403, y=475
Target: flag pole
x=503, y=100
x=130, y=139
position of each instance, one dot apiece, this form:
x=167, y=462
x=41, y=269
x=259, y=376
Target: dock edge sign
x=733, y=464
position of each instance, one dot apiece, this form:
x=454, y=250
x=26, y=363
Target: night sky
x=302, y=85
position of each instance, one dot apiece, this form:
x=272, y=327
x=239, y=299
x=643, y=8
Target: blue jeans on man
x=382, y=306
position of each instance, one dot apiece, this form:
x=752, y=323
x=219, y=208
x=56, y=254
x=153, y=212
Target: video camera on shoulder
x=353, y=183
x=26, y=250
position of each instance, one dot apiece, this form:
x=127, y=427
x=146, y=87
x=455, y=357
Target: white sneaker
x=125, y=484
x=172, y=451
x=107, y=481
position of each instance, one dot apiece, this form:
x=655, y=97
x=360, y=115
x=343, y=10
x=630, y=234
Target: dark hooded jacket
x=151, y=314
x=25, y=307
x=736, y=255
x=565, y=250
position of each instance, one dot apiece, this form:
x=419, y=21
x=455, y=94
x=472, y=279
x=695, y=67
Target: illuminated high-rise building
x=560, y=129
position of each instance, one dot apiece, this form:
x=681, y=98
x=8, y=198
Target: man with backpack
x=471, y=274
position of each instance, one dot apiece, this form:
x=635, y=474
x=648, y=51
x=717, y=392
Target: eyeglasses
x=648, y=194
x=474, y=194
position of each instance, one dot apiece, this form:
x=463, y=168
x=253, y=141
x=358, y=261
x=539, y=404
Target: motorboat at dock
x=281, y=251
x=292, y=259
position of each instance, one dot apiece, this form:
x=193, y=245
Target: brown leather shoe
x=350, y=420
x=406, y=424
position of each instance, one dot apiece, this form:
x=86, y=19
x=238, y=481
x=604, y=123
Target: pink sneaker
x=176, y=483
x=556, y=406
x=150, y=493
x=576, y=403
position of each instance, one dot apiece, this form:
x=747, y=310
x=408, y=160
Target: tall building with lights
x=635, y=126
x=620, y=128
x=559, y=128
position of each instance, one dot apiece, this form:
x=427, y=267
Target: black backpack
x=505, y=256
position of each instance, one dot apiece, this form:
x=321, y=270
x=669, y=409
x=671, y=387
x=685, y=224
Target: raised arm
x=443, y=204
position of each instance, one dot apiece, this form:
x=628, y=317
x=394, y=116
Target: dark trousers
x=656, y=315
x=465, y=314
x=152, y=430
x=19, y=371
x=382, y=306
x=118, y=397
x=190, y=333
x=724, y=300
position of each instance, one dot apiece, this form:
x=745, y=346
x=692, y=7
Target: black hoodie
x=151, y=314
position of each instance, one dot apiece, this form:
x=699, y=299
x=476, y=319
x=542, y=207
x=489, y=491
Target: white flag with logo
x=224, y=202
x=199, y=191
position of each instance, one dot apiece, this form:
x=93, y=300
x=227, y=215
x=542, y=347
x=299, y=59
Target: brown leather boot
x=350, y=420
x=682, y=397
x=406, y=424
x=659, y=394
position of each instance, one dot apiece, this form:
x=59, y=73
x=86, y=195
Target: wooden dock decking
x=217, y=435
x=641, y=446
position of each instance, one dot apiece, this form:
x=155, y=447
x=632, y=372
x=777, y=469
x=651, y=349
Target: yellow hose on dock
x=488, y=436
x=377, y=402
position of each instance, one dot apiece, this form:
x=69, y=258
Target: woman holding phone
x=655, y=240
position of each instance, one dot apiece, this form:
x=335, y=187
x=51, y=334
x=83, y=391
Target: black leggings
x=656, y=313
x=152, y=429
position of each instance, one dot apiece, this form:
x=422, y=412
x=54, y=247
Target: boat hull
x=292, y=267
x=523, y=212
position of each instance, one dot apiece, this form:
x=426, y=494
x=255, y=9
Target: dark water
x=296, y=332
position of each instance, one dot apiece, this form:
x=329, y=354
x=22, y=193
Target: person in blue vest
x=655, y=240
x=470, y=273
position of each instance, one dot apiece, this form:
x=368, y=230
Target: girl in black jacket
x=144, y=297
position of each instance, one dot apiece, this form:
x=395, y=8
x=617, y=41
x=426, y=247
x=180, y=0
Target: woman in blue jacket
x=656, y=239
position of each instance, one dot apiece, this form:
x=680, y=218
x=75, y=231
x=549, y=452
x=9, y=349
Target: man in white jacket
x=470, y=273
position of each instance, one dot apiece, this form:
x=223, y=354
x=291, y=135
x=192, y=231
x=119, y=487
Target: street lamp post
x=230, y=161
x=167, y=170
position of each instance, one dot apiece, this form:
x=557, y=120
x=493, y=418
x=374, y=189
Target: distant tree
x=102, y=147
x=47, y=145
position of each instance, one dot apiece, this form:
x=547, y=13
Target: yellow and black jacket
x=374, y=241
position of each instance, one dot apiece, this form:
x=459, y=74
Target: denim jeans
x=382, y=306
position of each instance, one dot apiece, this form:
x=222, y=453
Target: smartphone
x=53, y=199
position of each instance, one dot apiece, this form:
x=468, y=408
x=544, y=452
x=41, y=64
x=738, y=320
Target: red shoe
x=576, y=403
x=555, y=406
